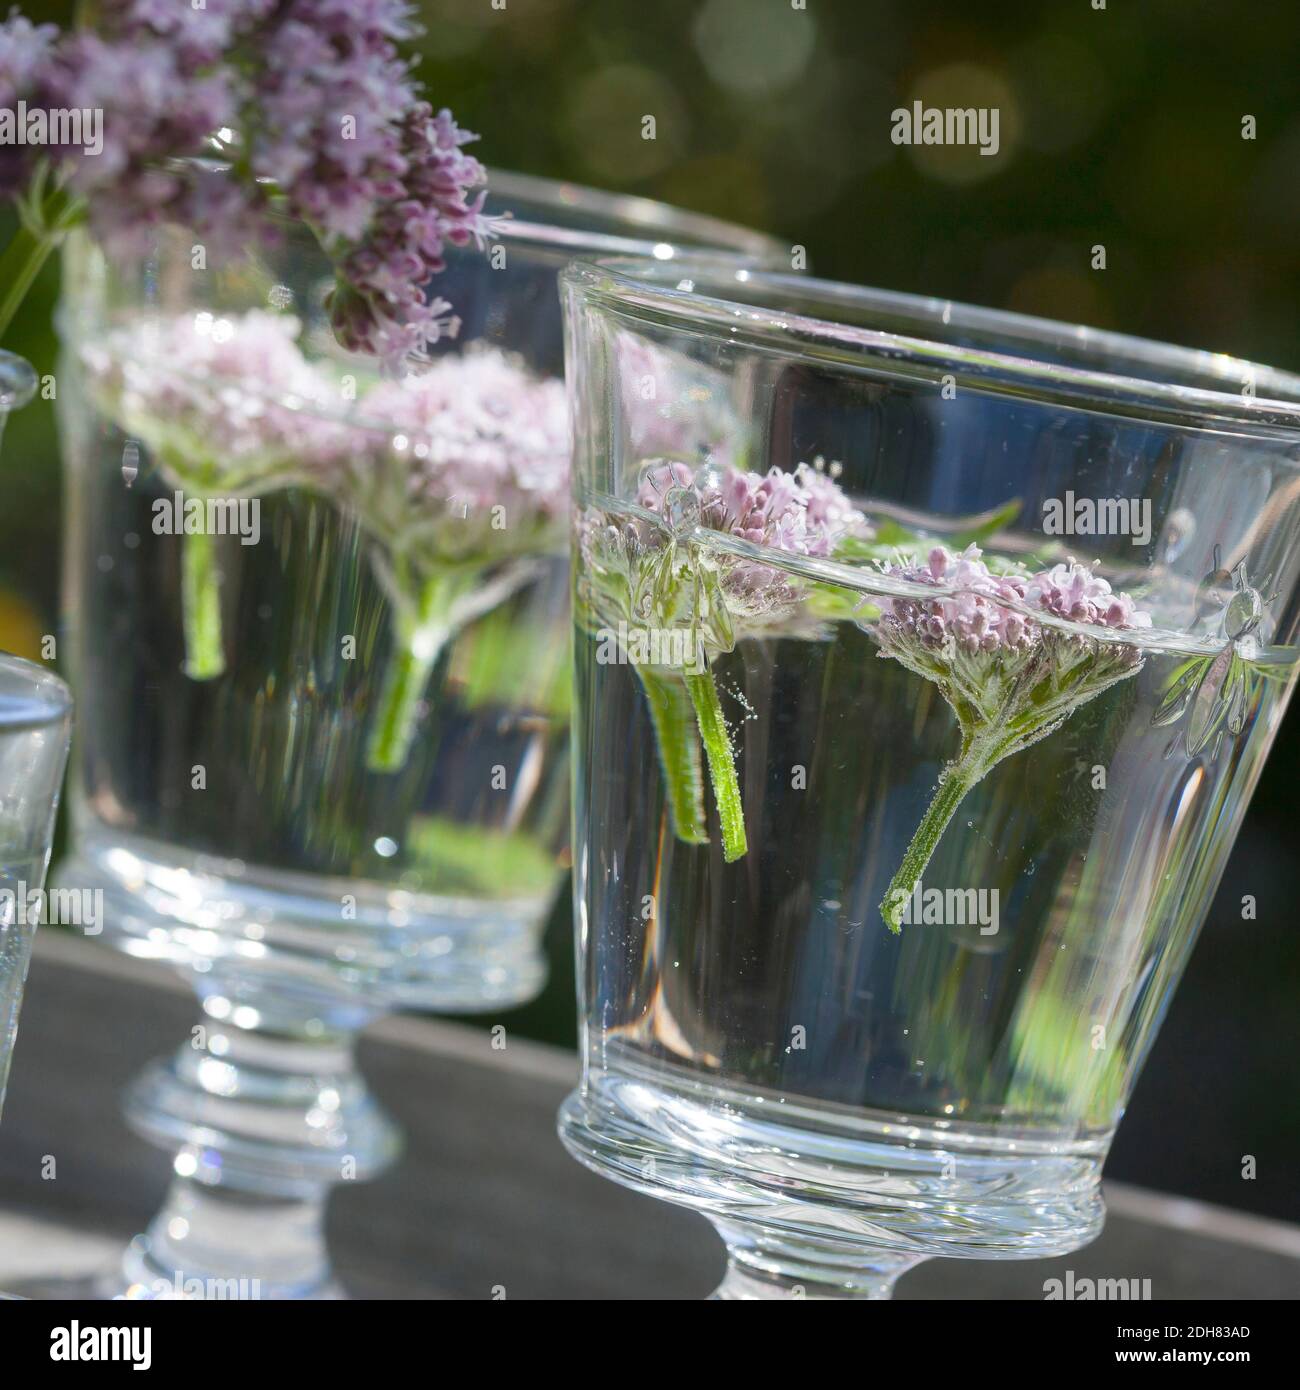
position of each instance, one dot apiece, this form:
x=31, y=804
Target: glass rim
x=638, y=220
x=49, y=682
x=668, y=294
x=634, y=220
x=17, y=382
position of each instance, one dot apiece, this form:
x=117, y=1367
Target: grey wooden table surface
x=484, y=1195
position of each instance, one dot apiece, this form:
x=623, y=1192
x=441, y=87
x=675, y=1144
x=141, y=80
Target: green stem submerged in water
x=421, y=634
x=686, y=713
x=432, y=604
x=956, y=780
x=1059, y=679
x=205, y=658
x=673, y=716
x=399, y=706
x=722, y=764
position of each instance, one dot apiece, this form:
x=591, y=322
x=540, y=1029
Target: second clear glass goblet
x=323, y=764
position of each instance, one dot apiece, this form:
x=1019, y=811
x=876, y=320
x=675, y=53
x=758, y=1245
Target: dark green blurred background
x=1120, y=126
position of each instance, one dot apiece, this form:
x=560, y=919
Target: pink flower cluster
x=482, y=443
x=233, y=398
x=977, y=615
x=473, y=453
x=154, y=109
x=381, y=306
x=316, y=105
x=801, y=513
x=804, y=512
x=331, y=96
x=25, y=50
x=1072, y=591
x=974, y=616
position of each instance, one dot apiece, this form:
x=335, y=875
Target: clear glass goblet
x=920, y=693
x=35, y=729
x=35, y=719
x=323, y=765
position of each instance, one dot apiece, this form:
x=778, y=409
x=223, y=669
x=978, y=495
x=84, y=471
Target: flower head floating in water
x=474, y=464
x=466, y=488
x=1010, y=654
x=225, y=403
x=227, y=406
x=678, y=603
x=460, y=474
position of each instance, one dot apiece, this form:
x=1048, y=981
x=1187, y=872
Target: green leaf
x=989, y=524
x=1178, y=694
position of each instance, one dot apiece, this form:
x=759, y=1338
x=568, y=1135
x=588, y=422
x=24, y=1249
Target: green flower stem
x=1031, y=711
x=722, y=764
x=201, y=607
x=679, y=752
x=421, y=637
x=956, y=781
x=404, y=683
x=431, y=605
x=19, y=267
x=30, y=248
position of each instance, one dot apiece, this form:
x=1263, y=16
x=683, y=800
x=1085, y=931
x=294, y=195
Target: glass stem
x=420, y=640
x=722, y=763
x=679, y=753
x=201, y=607
x=957, y=779
x=765, y=1264
x=265, y=1112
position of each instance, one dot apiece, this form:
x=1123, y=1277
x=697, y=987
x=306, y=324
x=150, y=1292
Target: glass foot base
x=211, y=1243
x=440, y=953
x=144, y=1275
x=842, y=1183
x=139, y=1278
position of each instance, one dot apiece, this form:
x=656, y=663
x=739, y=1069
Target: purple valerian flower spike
x=381, y=305
x=1007, y=654
x=25, y=51
x=321, y=119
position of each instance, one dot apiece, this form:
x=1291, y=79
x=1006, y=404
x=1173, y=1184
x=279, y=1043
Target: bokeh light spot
x=604, y=123
x=753, y=47
x=963, y=87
